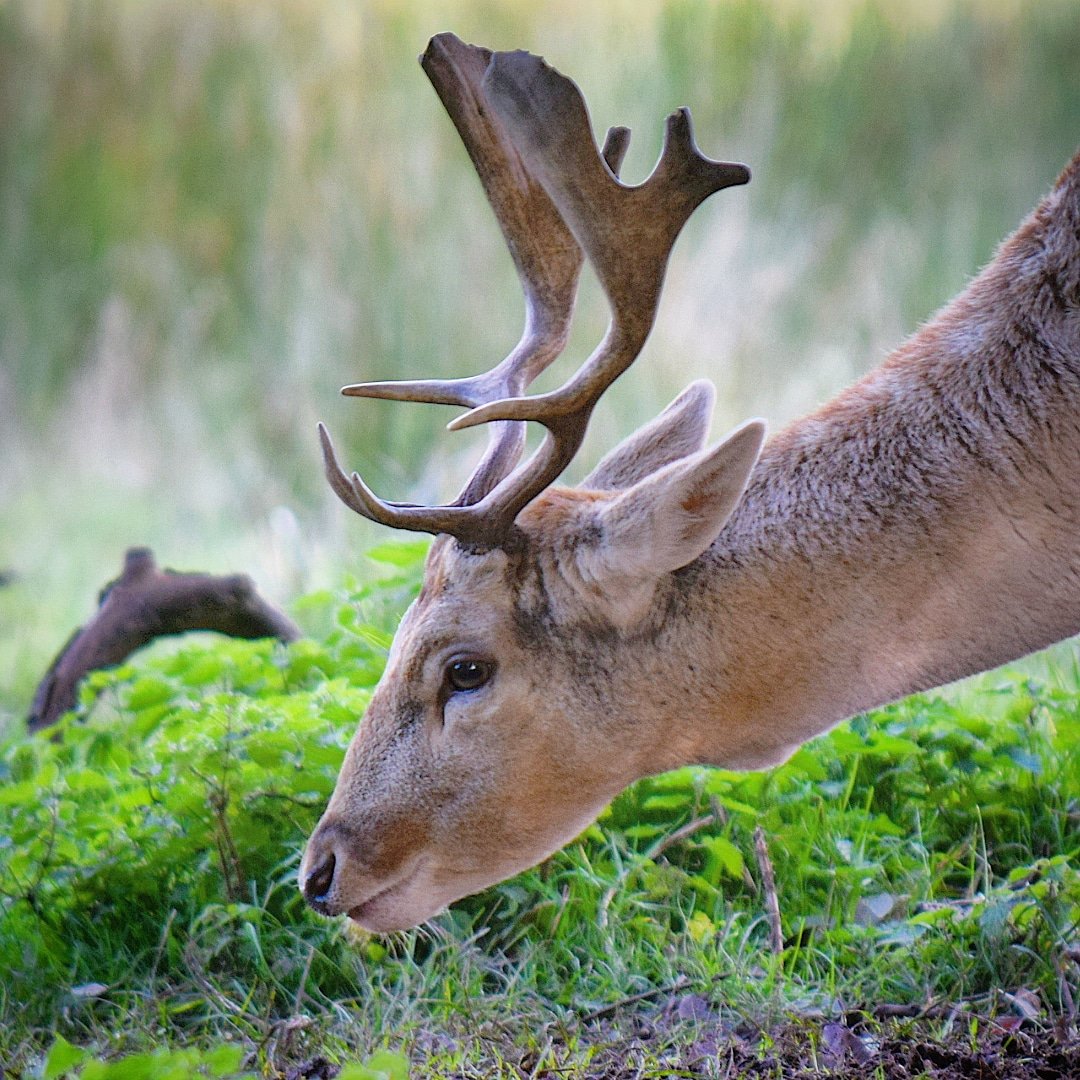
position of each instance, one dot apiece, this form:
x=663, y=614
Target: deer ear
x=668, y=519
x=679, y=431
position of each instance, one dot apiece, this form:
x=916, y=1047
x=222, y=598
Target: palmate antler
x=555, y=196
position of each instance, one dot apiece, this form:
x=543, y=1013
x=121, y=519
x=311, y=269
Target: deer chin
x=425, y=889
x=419, y=895
x=407, y=901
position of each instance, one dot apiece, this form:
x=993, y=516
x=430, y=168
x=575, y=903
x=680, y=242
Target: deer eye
x=468, y=673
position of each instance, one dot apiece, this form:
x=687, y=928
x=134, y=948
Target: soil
x=852, y=1049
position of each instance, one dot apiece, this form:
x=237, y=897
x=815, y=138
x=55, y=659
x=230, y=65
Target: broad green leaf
x=726, y=856
x=736, y=806
x=24, y=763
x=642, y=832
x=61, y=1058
x=666, y=802
x=85, y=780
x=225, y=1060
x=700, y=927
x=356, y=1071
x=19, y=794
x=391, y=1065
x=201, y=669
x=264, y=753
x=148, y=690
x=400, y=553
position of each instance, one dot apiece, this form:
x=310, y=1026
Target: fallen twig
x=768, y=883
x=680, y=833
x=607, y=1010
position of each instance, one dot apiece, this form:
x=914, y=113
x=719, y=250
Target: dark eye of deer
x=465, y=675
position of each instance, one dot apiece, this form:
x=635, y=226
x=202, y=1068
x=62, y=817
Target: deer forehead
x=493, y=599
x=461, y=580
x=465, y=601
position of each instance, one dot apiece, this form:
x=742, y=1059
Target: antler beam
x=527, y=131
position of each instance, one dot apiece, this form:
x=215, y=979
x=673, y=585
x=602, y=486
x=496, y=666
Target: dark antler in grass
x=146, y=603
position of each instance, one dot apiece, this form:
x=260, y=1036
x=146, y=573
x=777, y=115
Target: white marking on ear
x=680, y=430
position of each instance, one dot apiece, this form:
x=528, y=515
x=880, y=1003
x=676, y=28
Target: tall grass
x=213, y=214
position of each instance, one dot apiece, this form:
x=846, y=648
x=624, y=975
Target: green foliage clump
x=155, y=836
x=224, y=1062
x=944, y=838
x=219, y=761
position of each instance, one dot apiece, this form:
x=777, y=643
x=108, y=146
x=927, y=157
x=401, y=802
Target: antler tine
x=356, y=495
x=546, y=324
x=548, y=261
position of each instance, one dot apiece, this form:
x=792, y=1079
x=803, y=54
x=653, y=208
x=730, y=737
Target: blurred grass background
x=214, y=213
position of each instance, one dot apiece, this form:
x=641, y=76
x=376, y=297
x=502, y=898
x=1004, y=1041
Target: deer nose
x=316, y=886
x=321, y=871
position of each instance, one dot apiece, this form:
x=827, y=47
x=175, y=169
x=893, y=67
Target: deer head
x=506, y=719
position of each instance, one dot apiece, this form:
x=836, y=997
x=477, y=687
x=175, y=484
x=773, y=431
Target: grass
x=924, y=856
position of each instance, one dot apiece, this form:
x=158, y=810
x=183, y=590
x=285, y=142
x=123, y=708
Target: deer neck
x=922, y=527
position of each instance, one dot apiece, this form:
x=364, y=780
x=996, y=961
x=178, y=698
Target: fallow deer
x=686, y=604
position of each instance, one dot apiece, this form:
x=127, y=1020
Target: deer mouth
x=382, y=912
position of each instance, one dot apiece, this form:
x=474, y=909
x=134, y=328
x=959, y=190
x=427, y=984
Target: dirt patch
x=797, y=1050
x=686, y=1038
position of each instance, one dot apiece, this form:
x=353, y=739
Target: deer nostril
x=319, y=881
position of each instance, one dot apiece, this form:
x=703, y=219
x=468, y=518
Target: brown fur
x=920, y=527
